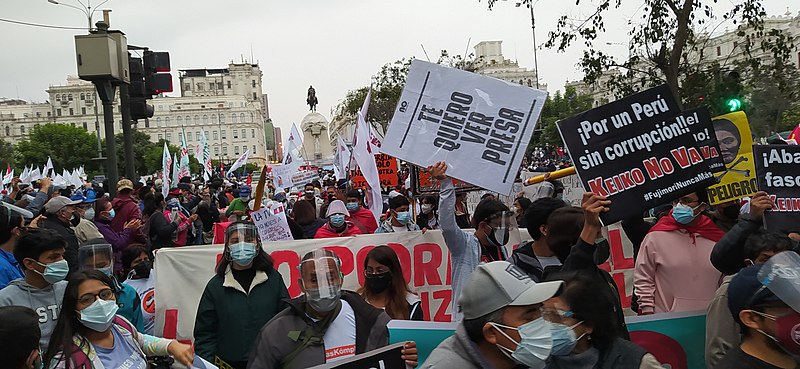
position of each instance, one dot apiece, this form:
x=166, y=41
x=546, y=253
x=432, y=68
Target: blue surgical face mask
x=111, y=214
x=535, y=343
x=351, y=206
x=108, y=271
x=337, y=220
x=54, y=272
x=564, y=339
x=89, y=214
x=683, y=214
x=243, y=253
x=403, y=217
x=99, y=315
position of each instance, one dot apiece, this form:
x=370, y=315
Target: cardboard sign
x=738, y=179
x=272, y=223
x=778, y=169
x=422, y=183
x=389, y=357
x=642, y=151
x=305, y=176
x=387, y=172
x=479, y=125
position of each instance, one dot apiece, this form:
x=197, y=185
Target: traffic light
x=731, y=88
x=733, y=104
x=155, y=64
x=136, y=90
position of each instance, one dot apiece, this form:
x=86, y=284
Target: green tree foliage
x=6, y=155
x=558, y=107
x=69, y=147
x=387, y=85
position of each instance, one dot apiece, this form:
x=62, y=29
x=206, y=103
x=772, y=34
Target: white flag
x=294, y=146
x=366, y=161
x=342, y=160
x=7, y=178
x=25, y=176
x=166, y=162
x=175, y=173
x=238, y=163
x=36, y=175
x=47, y=167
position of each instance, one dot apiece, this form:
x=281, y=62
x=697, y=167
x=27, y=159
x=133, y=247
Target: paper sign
x=387, y=172
x=479, y=125
x=422, y=183
x=303, y=177
x=778, y=171
x=738, y=178
x=200, y=363
x=389, y=357
x=282, y=175
x=272, y=223
x=642, y=151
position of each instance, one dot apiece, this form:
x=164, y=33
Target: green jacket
x=229, y=319
x=236, y=204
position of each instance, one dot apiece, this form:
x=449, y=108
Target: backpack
x=81, y=359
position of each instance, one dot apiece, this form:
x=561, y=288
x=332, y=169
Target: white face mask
x=535, y=343
x=427, y=208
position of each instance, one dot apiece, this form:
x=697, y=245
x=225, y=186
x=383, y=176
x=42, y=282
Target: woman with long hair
x=304, y=215
x=386, y=288
x=245, y=294
x=103, y=214
x=158, y=229
x=89, y=334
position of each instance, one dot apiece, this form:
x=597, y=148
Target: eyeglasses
x=90, y=298
x=379, y=270
x=555, y=315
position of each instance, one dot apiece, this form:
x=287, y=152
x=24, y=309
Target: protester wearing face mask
x=722, y=332
x=11, y=227
x=303, y=214
x=238, y=207
x=763, y=300
x=19, y=338
x=502, y=325
x=325, y=318
x=399, y=217
x=310, y=195
x=676, y=254
x=97, y=255
x=61, y=216
x=245, y=294
x=535, y=257
x=174, y=213
x=140, y=275
x=360, y=216
x=85, y=229
x=41, y=253
x=89, y=316
x=386, y=288
x=428, y=218
x=492, y=222
x=584, y=330
x=337, y=226
x=119, y=241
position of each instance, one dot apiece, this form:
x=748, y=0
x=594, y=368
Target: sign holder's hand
x=410, y=354
x=438, y=170
x=760, y=203
x=592, y=205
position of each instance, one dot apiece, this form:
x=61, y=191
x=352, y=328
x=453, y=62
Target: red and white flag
x=366, y=160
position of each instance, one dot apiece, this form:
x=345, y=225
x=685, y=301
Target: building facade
x=492, y=63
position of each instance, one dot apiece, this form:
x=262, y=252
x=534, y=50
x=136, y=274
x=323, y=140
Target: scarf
x=702, y=225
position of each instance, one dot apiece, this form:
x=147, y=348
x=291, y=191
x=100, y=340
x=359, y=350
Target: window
x=255, y=96
x=69, y=97
x=169, y=136
x=224, y=134
x=229, y=84
x=85, y=126
x=71, y=111
x=719, y=51
x=253, y=133
x=197, y=120
x=235, y=133
x=72, y=124
x=180, y=136
x=234, y=118
x=188, y=120
x=253, y=83
x=189, y=136
x=219, y=85
x=224, y=150
x=207, y=135
x=216, y=150
x=146, y=123
x=187, y=86
x=213, y=119
x=211, y=86
x=236, y=150
x=83, y=111
x=63, y=97
x=160, y=137
x=58, y=97
x=166, y=122
x=205, y=119
x=244, y=133
x=158, y=122
x=39, y=114
x=199, y=87
x=22, y=130
x=222, y=118
x=241, y=117
x=254, y=150
x=83, y=96
x=8, y=131
x=251, y=117
x=179, y=120
x=48, y=113
x=161, y=108
x=58, y=112
x=216, y=136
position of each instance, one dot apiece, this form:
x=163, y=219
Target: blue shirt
x=122, y=355
x=9, y=268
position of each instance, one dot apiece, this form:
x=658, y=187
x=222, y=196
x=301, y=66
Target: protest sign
x=479, y=125
x=282, y=175
x=387, y=172
x=272, y=223
x=389, y=357
x=778, y=170
x=642, y=151
x=306, y=176
x=738, y=179
x=422, y=182
x=573, y=188
x=184, y=272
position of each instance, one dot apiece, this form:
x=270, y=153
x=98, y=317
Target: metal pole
x=97, y=131
x=106, y=91
x=533, y=29
x=127, y=135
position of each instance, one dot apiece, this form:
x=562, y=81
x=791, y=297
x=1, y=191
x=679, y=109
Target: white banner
x=183, y=272
x=573, y=189
x=468, y=120
x=272, y=223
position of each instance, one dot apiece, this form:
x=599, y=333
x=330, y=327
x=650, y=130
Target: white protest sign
x=271, y=223
x=479, y=125
x=303, y=177
x=282, y=175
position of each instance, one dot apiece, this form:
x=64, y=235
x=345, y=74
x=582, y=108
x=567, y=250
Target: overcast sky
x=335, y=45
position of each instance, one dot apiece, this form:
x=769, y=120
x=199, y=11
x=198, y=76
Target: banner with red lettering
x=183, y=272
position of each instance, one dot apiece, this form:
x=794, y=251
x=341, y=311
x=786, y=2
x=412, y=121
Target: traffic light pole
x=105, y=89
x=127, y=136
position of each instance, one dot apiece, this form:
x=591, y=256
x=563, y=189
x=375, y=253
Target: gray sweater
x=457, y=351
x=46, y=302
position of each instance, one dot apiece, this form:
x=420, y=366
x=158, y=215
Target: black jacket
x=160, y=231
x=728, y=253
x=68, y=234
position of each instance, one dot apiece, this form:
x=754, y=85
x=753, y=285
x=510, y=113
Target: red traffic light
x=156, y=61
x=158, y=83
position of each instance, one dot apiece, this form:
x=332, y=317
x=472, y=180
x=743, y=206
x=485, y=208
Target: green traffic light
x=734, y=104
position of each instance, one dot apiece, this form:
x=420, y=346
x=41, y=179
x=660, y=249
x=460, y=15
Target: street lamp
x=530, y=4
x=86, y=9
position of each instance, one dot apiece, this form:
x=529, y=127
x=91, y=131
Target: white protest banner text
x=271, y=223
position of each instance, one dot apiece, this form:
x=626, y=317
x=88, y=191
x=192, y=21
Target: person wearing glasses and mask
x=400, y=219
x=245, y=294
x=41, y=253
x=386, y=288
x=492, y=221
x=90, y=334
x=673, y=268
x=323, y=325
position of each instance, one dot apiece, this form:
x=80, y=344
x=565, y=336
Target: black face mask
x=731, y=212
x=142, y=270
x=75, y=220
x=377, y=283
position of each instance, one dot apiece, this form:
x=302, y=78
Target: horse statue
x=311, y=100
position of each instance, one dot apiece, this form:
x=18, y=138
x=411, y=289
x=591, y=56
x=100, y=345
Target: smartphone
x=174, y=214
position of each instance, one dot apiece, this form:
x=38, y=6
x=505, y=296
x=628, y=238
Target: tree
x=387, y=85
x=144, y=150
x=68, y=146
x=6, y=155
x=558, y=107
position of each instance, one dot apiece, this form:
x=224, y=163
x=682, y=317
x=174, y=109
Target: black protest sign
x=389, y=357
x=642, y=151
x=778, y=172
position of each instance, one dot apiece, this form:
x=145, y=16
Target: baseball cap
x=337, y=207
x=746, y=291
x=124, y=184
x=59, y=202
x=498, y=284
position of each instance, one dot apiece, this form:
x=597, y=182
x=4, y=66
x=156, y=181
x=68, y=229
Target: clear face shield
x=321, y=280
x=97, y=257
x=781, y=274
x=504, y=227
x=546, y=189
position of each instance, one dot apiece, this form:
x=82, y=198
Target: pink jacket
x=674, y=272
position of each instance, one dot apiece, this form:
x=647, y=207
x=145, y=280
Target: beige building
x=492, y=63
